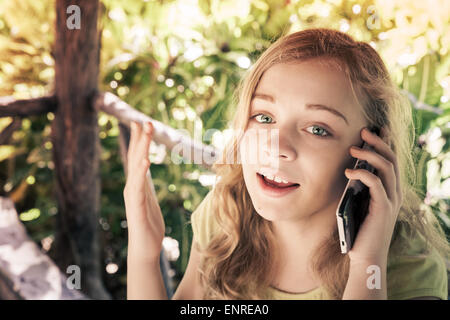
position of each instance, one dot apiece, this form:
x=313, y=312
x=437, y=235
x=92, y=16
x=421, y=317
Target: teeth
x=273, y=178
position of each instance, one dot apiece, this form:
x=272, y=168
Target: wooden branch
x=192, y=151
x=10, y=107
x=25, y=271
x=9, y=130
x=419, y=105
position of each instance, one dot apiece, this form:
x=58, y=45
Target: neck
x=298, y=239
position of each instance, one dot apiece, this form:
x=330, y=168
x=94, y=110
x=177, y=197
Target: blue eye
x=317, y=131
x=261, y=114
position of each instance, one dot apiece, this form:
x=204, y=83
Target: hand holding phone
x=353, y=205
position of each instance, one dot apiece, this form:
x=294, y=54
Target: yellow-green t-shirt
x=415, y=273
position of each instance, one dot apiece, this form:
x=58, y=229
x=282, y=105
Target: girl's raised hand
x=374, y=236
x=144, y=218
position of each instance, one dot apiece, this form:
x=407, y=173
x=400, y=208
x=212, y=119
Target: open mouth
x=275, y=184
x=275, y=188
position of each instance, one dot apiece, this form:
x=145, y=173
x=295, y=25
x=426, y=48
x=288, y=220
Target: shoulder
x=415, y=270
x=203, y=220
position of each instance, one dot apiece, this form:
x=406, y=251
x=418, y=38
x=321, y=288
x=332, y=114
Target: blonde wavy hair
x=238, y=261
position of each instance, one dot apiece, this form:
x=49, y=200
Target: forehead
x=311, y=81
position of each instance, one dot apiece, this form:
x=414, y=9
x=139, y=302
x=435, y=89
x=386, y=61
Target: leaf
x=423, y=83
x=6, y=152
x=205, y=6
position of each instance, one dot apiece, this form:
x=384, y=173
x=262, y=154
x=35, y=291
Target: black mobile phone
x=354, y=204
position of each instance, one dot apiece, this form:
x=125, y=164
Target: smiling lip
x=274, y=191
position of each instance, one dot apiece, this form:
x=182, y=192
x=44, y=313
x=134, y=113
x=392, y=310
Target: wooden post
x=76, y=146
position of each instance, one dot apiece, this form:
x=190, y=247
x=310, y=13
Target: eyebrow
x=314, y=106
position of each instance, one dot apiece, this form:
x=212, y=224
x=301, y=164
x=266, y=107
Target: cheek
x=327, y=171
x=250, y=152
x=248, y=172
x=339, y=178
x=245, y=150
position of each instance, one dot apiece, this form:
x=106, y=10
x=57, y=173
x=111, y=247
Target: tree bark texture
x=76, y=146
x=26, y=272
x=10, y=107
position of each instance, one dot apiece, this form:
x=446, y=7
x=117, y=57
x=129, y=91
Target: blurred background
x=179, y=62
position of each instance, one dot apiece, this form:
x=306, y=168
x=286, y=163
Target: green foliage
x=179, y=63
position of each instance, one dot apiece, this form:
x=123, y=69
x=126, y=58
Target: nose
x=280, y=147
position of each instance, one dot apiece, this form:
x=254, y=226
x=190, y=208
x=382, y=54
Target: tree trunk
x=26, y=272
x=76, y=146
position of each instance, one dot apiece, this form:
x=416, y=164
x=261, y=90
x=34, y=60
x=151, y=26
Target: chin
x=273, y=215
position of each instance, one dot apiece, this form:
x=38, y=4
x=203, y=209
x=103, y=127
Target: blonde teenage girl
x=320, y=90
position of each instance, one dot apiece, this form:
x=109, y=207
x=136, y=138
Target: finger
x=136, y=131
x=133, y=156
x=137, y=138
x=384, y=168
x=132, y=142
x=143, y=144
x=373, y=182
x=383, y=149
x=386, y=136
x=141, y=162
x=132, y=145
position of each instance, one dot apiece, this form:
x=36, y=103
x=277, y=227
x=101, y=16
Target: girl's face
x=313, y=145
